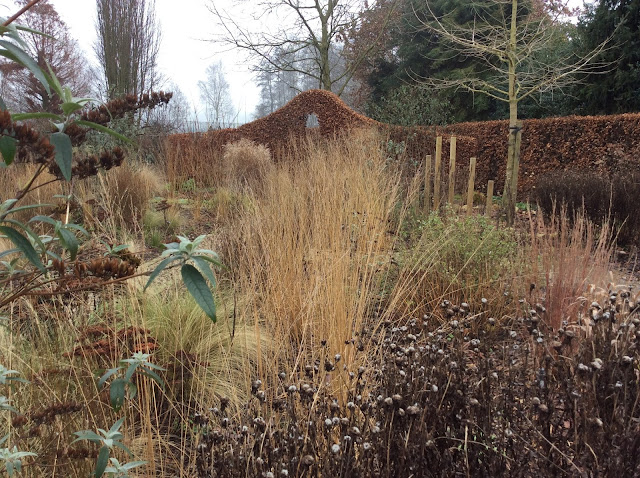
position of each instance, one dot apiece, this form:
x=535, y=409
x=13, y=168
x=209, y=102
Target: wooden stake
x=472, y=180
x=436, y=174
x=488, y=209
x=452, y=169
x=427, y=184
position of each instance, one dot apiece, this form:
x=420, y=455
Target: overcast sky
x=184, y=55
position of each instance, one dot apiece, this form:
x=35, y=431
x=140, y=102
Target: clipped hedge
x=605, y=145
x=191, y=155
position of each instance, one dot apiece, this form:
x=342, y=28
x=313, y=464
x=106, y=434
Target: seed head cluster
x=514, y=400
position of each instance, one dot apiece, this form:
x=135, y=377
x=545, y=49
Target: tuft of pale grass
x=310, y=252
x=246, y=163
x=205, y=362
x=117, y=199
x=228, y=352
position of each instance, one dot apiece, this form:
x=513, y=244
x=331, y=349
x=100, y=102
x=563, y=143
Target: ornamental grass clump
x=310, y=251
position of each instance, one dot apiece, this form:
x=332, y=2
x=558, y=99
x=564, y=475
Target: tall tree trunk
x=325, y=70
x=515, y=126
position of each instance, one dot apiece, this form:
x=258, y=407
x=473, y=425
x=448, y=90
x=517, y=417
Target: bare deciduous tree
x=303, y=36
x=127, y=46
x=58, y=50
x=276, y=89
x=175, y=117
x=216, y=97
x=521, y=45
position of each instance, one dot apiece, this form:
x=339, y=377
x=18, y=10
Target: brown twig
x=20, y=12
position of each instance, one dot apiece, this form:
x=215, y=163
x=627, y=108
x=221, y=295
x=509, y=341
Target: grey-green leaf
x=87, y=435
x=103, y=129
x=34, y=237
x=70, y=107
x=30, y=206
x=54, y=82
x=107, y=374
x=198, y=288
x=69, y=241
x=24, y=245
x=205, y=268
x=160, y=267
x=117, y=392
x=103, y=461
x=7, y=149
x=155, y=377
x=64, y=153
x=31, y=116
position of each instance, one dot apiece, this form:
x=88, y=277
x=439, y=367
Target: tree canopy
x=57, y=49
x=616, y=87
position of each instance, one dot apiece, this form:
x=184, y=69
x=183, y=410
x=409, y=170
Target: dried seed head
x=583, y=368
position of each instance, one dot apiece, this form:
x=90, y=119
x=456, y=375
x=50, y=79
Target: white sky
x=184, y=55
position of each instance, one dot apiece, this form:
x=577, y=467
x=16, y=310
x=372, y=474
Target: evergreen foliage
x=616, y=87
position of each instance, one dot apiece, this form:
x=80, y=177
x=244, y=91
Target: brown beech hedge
x=607, y=145
x=604, y=144
x=193, y=155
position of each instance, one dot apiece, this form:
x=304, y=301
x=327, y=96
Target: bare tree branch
x=309, y=31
